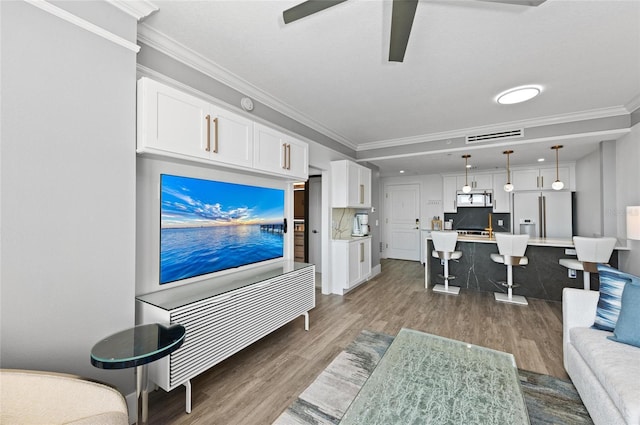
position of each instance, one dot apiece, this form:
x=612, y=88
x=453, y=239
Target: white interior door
x=402, y=209
x=315, y=222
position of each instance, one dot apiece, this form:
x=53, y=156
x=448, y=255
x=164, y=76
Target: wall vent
x=499, y=135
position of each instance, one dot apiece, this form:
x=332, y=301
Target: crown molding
x=175, y=50
x=633, y=104
x=528, y=123
x=84, y=24
x=139, y=9
x=467, y=148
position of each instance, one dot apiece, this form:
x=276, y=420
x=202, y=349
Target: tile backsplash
x=478, y=218
x=342, y=220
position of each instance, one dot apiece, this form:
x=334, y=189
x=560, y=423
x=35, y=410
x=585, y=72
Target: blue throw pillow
x=627, y=329
x=612, y=282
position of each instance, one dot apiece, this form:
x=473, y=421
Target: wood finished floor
x=257, y=384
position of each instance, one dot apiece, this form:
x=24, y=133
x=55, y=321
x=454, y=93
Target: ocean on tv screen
x=209, y=226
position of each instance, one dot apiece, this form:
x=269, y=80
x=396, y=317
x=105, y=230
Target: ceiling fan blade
x=401, y=22
x=307, y=8
x=519, y=2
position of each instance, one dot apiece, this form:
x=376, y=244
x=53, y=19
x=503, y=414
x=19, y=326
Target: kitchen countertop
x=351, y=239
x=555, y=242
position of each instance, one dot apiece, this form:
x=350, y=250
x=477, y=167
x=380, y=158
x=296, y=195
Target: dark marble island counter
x=542, y=278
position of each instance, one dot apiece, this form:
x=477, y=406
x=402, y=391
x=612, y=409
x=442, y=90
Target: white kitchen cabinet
x=174, y=123
x=500, y=197
x=449, y=190
x=279, y=153
x=475, y=181
x=170, y=121
x=351, y=185
x=539, y=178
x=231, y=138
x=351, y=263
x=548, y=176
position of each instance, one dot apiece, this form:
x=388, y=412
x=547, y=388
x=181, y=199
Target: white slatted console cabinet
x=224, y=315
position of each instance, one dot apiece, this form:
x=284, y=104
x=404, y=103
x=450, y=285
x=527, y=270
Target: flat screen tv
x=208, y=226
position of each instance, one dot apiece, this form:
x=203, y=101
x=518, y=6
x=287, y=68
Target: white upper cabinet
x=548, y=176
x=171, y=121
x=230, y=138
x=540, y=178
x=449, y=190
x=500, y=197
x=475, y=181
x=482, y=182
x=177, y=124
x=351, y=185
x=174, y=123
x=279, y=153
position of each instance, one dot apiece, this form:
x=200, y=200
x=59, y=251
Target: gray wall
x=627, y=194
x=67, y=189
x=588, y=195
x=376, y=237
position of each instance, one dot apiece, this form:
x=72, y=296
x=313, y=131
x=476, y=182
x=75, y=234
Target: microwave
x=474, y=199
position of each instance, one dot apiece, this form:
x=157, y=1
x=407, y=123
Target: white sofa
x=605, y=373
x=34, y=397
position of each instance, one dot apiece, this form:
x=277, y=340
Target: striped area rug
x=549, y=400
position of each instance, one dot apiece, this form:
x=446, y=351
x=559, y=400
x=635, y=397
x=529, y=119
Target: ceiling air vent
x=499, y=135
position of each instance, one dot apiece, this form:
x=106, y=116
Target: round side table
x=137, y=347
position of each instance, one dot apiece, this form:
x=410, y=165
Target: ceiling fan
x=402, y=16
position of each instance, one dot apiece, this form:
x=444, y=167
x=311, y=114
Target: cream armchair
x=32, y=397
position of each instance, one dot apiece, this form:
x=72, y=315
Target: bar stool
x=512, y=249
x=444, y=245
x=590, y=252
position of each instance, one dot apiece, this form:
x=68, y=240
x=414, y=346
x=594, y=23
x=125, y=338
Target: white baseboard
x=376, y=270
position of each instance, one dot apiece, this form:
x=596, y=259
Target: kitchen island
x=542, y=278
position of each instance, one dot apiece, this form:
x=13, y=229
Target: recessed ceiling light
x=540, y=159
x=518, y=94
x=401, y=171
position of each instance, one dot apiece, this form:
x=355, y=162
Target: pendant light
x=557, y=185
x=466, y=188
x=508, y=187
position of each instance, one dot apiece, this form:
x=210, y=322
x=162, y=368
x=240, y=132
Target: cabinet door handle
x=215, y=136
x=208, y=118
x=542, y=181
x=362, y=194
x=362, y=252
x=284, y=156
x=288, y=156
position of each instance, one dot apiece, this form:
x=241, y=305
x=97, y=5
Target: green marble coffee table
x=427, y=379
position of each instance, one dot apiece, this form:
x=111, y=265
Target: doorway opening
x=307, y=214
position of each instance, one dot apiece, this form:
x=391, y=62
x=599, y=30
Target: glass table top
x=137, y=346
x=425, y=379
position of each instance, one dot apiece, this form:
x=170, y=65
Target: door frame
x=385, y=219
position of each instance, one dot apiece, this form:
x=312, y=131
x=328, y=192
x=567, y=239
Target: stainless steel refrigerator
x=543, y=214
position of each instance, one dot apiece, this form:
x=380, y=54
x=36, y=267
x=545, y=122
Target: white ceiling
x=330, y=69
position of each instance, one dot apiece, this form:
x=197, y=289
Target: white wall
x=588, y=195
x=628, y=193
x=67, y=189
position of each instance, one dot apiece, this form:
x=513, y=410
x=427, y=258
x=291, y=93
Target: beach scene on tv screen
x=209, y=226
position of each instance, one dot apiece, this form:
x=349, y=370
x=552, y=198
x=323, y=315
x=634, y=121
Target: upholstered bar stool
x=590, y=252
x=511, y=250
x=444, y=248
